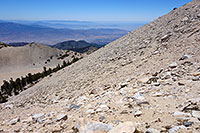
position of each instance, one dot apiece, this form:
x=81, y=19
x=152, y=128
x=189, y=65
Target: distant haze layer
x=129, y=26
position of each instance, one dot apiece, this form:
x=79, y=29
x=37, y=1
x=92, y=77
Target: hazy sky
x=87, y=10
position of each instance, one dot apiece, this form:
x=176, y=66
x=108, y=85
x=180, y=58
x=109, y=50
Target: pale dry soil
x=149, y=78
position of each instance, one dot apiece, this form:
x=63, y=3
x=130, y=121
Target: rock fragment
x=173, y=65
x=137, y=113
x=152, y=130
x=177, y=129
x=126, y=127
x=138, y=96
x=187, y=123
x=181, y=114
x=185, y=19
x=97, y=127
x=14, y=121
x=185, y=56
x=196, y=78
x=61, y=117
x=157, y=94
x=38, y=117
x=196, y=114
x=73, y=106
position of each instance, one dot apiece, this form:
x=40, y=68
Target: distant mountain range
x=15, y=32
x=77, y=46
x=69, y=24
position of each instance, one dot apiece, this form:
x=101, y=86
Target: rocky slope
x=19, y=61
x=146, y=81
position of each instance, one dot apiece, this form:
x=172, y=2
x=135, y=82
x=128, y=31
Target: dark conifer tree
x=30, y=80
x=12, y=85
x=23, y=81
x=7, y=87
x=64, y=64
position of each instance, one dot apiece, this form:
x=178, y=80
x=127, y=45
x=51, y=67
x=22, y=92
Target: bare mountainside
x=146, y=81
x=19, y=61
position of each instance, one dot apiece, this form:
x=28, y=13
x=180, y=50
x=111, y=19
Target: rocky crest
x=147, y=81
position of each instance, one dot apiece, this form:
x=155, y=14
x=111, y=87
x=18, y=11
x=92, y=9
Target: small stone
x=73, y=106
x=181, y=83
x=185, y=19
x=124, y=112
x=152, y=130
x=156, y=84
x=61, y=117
x=182, y=117
x=124, y=90
x=55, y=129
x=147, y=41
x=30, y=129
x=51, y=114
x=93, y=92
x=138, y=96
x=186, y=56
x=27, y=120
x=126, y=127
x=187, y=124
x=163, y=130
x=137, y=113
x=196, y=74
x=195, y=100
x=117, y=122
x=195, y=78
x=54, y=101
x=9, y=106
x=196, y=114
x=167, y=75
x=38, y=117
x=90, y=111
x=139, y=103
x=123, y=85
x=165, y=38
x=157, y=94
x=97, y=127
x=49, y=122
x=99, y=110
x=14, y=121
x=104, y=107
x=177, y=129
x=181, y=114
x=173, y=65
x=155, y=52
x=198, y=15
x=83, y=98
x=40, y=121
x=17, y=130
x=144, y=80
x=101, y=118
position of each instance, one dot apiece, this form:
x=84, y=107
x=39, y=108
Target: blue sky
x=87, y=10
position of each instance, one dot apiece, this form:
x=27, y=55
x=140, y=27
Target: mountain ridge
x=77, y=46
x=146, y=81
x=30, y=58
